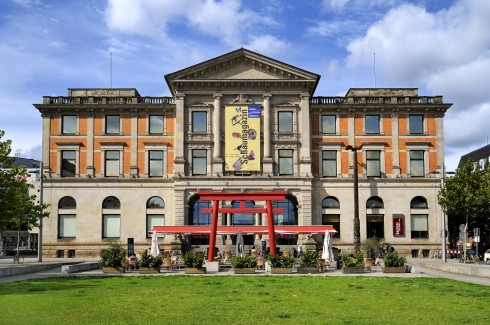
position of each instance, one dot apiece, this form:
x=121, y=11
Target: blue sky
x=439, y=46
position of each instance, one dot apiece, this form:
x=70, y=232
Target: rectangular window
x=156, y=124
x=111, y=226
x=155, y=163
x=417, y=163
x=419, y=225
x=375, y=225
x=285, y=122
x=199, y=121
x=69, y=124
x=332, y=220
x=373, y=163
x=199, y=162
x=285, y=162
x=112, y=124
x=329, y=124
x=67, y=226
x=154, y=220
x=68, y=163
x=329, y=163
x=416, y=124
x=112, y=163
x=372, y=124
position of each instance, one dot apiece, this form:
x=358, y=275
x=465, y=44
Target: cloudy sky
x=441, y=47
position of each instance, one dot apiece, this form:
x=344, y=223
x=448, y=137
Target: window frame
x=65, y=172
x=62, y=229
x=416, y=127
x=198, y=126
x=64, y=123
x=283, y=158
x=105, y=216
x=334, y=224
x=108, y=160
x=370, y=161
x=282, y=127
x=422, y=234
x=329, y=161
x=156, y=162
x=151, y=124
x=417, y=162
x=369, y=225
x=196, y=158
x=110, y=124
x=149, y=224
x=322, y=125
x=367, y=124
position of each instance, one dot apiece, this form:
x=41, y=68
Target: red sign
x=398, y=227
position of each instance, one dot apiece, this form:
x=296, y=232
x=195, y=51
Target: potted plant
x=112, y=258
x=193, y=263
x=392, y=263
x=244, y=265
x=371, y=248
x=309, y=262
x=352, y=263
x=150, y=264
x=281, y=264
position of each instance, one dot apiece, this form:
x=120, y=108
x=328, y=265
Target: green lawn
x=243, y=300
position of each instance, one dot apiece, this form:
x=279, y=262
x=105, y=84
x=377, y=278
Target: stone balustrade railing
x=107, y=100
x=377, y=100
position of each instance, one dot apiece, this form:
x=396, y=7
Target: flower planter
x=308, y=270
x=113, y=270
x=244, y=270
x=195, y=270
x=281, y=270
x=149, y=270
x=353, y=270
x=400, y=269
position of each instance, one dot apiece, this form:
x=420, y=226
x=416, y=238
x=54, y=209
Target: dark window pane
x=112, y=124
x=285, y=122
x=286, y=162
x=69, y=124
x=374, y=202
x=332, y=220
x=328, y=124
x=372, y=124
x=199, y=162
x=111, y=202
x=156, y=163
x=419, y=226
x=68, y=163
x=67, y=203
x=199, y=121
x=155, y=202
x=416, y=124
x=375, y=225
x=156, y=123
x=330, y=203
x=373, y=163
x=419, y=202
x=417, y=163
x=329, y=163
x=112, y=163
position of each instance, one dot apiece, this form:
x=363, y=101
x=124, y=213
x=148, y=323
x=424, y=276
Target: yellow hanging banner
x=242, y=138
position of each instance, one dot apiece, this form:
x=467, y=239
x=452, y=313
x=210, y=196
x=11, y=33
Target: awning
x=246, y=230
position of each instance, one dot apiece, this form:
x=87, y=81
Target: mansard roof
x=241, y=66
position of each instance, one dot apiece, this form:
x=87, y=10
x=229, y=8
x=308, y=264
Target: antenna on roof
x=110, y=75
x=374, y=70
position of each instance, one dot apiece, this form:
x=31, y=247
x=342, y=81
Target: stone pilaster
x=179, y=161
x=90, y=169
x=134, y=145
x=305, y=134
x=217, y=150
x=46, y=141
x=395, y=148
x=440, y=139
x=267, y=167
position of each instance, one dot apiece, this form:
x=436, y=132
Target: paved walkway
x=433, y=268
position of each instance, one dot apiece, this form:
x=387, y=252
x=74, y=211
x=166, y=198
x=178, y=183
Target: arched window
x=419, y=202
x=111, y=202
x=67, y=222
x=67, y=202
x=155, y=202
x=111, y=222
x=374, y=202
x=330, y=202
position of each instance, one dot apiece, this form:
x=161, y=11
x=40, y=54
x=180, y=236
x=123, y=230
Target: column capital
x=179, y=95
x=304, y=96
x=266, y=95
x=217, y=95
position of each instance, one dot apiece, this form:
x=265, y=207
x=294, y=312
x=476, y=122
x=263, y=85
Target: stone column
x=134, y=145
x=440, y=140
x=268, y=129
x=46, y=142
x=179, y=161
x=305, y=136
x=395, y=153
x=90, y=145
x=217, y=155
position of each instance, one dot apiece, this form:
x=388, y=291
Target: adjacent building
x=118, y=163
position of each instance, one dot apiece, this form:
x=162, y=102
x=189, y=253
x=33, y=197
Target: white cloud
x=334, y=5
x=267, y=45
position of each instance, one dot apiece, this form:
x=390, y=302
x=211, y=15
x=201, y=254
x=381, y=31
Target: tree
x=466, y=196
x=18, y=209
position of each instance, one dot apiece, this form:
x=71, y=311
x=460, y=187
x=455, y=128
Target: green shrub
x=113, y=256
x=281, y=261
x=192, y=259
x=352, y=260
x=309, y=259
x=392, y=259
x=150, y=261
x=371, y=247
x=243, y=262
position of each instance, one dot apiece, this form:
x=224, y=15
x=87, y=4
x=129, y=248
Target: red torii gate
x=215, y=197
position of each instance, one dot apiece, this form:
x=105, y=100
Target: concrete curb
x=74, y=268
x=27, y=268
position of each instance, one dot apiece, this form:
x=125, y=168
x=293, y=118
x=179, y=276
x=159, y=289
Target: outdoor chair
x=368, y=264
x=286, y=253
x=253, y=253
x=167, y=264
x=260, y=263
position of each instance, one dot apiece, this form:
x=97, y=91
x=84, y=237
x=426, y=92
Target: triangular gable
x=241, y=65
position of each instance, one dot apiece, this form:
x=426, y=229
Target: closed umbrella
x=239, y=243
x=300, y=244
x=327, y=253
x=155, y=250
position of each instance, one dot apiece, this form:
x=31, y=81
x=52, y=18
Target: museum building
x=116, y=163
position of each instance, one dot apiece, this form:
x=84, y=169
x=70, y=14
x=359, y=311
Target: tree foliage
x=18, y=209
x=467, y=194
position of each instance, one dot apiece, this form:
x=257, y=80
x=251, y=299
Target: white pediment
x=241, y=72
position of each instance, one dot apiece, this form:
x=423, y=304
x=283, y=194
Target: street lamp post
x=443, y=228
x=40, y=235
x=357, y=224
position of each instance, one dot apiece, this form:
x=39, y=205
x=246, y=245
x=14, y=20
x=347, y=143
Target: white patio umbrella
x=327, y=253
x=155, y=250
x=239, y=243
x=300, y=244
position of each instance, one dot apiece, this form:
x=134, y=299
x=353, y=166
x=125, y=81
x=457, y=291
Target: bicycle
x=18, y=258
